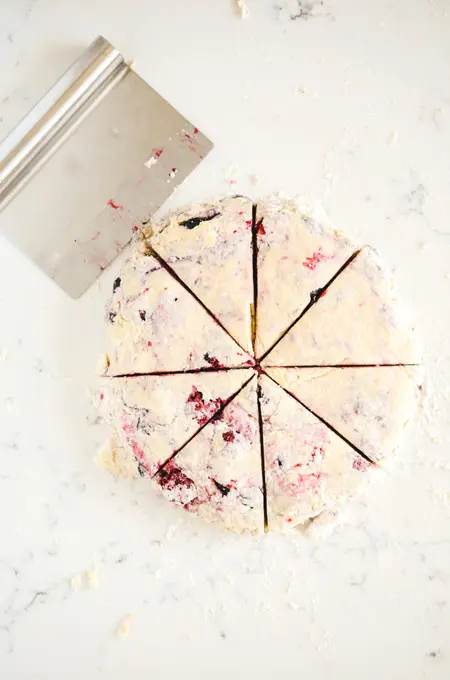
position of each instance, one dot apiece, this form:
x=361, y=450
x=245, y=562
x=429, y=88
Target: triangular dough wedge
x=210, y=248
x=356, y=321
x=296, y=255
x=218, y=475
x=368, y=406
x=154, y=324
x=153, y=416
x=308, y=468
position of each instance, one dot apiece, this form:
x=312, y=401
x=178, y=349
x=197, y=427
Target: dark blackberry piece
x=212, y=361
x=171, y=476
x=195, y=221
x=116, y=284
x=228, y=436
x=315, y=295
x=142, y=471
x=224, y=490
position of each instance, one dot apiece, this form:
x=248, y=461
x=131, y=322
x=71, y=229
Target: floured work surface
x=258, y=368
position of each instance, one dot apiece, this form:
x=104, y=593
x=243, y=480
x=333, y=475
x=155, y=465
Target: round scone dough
x=255, y=407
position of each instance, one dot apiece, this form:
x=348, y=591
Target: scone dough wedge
x=218, y=475
x=356, y=320
x=154, y=416
x=156, y=325
x=296, y=256
x=209, y=246
x=308, y=468
x=370, y=407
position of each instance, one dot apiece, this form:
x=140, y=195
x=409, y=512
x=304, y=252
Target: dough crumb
x=254, y=178
x=76, y=582
x=423, y=245
x=88, y=579
x=393, y=138
x=230, y=174
x=103, y=364
x=244, y=11
x=123, y=629
x=92, y=579
x=324, y=524
x=171, y=530
x=440, y=495
x=151, y=161
x=114, y=459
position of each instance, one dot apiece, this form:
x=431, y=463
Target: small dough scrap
x=154, y=324
x=370, y=407
x=355, y=321
x=210, y=248
x=309, y=469
x=155, y=415
x=114, y=458
x=296, y=255
x=218, y=476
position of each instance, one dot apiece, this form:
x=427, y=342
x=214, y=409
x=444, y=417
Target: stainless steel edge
x=39, y=134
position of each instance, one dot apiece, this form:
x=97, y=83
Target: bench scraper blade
x=94, y=159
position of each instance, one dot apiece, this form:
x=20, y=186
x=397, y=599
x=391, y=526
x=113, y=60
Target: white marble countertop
x=348, y=104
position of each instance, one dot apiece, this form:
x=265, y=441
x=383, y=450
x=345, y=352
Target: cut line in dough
x=254, y=312
x=367, y=407
x=341, y=365
x=316, y=415
x=215, y=416
x=315, y=296
x=154, y=416
x=296, y=255
x=263, y=459
x=174, y=275
x=218, y=475
x=155, y=324
x=188, y=371
x=309, y=470
x=339, y=327
x=209, y=248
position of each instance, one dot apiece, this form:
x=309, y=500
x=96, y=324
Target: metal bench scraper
x=92, y=162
